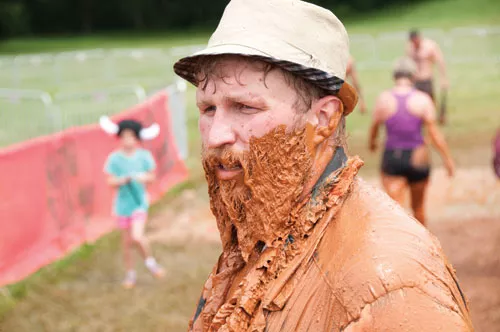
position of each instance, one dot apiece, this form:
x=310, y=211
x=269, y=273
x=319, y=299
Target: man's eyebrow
x=233, y=98
x=202, y=103
x=242, y=98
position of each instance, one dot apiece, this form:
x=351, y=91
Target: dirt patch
x=473, y=246
x=188, y=218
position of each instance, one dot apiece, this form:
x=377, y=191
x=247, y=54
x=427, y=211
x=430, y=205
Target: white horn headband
x=108, y=126
x=112, y=128
x=150, y=132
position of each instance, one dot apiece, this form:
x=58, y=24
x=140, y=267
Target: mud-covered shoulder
x=374, y=247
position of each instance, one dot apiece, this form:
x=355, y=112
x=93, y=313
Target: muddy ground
x=464, y=213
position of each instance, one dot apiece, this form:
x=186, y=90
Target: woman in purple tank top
x=405, y=111
x=496, y=154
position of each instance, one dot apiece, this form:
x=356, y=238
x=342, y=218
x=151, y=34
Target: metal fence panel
x=474, y=45
x=81, y=66
x=178, y=114
x=83, y=108
x=24, y=114
x=32, y=71
x=153, y=67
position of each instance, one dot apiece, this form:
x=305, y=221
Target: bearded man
x=307, y=246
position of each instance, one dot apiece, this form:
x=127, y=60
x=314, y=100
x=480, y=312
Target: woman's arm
x=437, y=137
x=146, y=177
x=377, y=120
x=115, y=181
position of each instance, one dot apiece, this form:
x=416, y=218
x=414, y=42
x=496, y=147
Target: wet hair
x=402, y=74
x=414, y=33
x=133, y=125
x=208, y=68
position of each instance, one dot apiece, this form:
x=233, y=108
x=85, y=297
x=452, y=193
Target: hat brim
x=187, y=69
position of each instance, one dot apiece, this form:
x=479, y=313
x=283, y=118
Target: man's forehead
x=231, y=92
x=231, y=67
x=237, y=75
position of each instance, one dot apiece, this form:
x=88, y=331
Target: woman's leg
x=138, y=225
x=128, y=260
x=418, y=191
x=395, y=187
x=418, y=179
x=126, y=252
x=137, y=230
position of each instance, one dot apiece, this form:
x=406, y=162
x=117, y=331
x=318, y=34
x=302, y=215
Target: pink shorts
x=125, y=222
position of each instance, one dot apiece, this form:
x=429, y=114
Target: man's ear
x=325, y=117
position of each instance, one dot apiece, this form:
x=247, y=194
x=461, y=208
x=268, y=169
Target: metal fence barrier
x=81, y=85
x=460, y=45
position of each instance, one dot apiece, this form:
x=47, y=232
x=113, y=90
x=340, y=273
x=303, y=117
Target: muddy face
x=254, y=208
x=254, y=152
x=260, y=152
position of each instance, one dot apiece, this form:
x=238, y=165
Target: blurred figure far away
x=496, y=154
x=352, y=75
x=404, y=111
x=426, y=53
x=129, y=169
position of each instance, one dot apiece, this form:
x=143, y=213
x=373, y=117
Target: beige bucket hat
x=302, y=38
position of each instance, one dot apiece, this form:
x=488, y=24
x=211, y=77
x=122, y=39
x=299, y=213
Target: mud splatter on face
x=255, y=208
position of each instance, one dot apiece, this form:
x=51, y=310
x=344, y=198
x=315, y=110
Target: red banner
x=53, y=193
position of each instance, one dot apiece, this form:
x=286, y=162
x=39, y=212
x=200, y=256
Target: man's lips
x=228, y=172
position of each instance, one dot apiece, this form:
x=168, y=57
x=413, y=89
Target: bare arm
x=373, y=136
x=377, y=120
x=115, y=181
x=354, y=78
x=437, y=138
x=439, y=142
x=357, y=86
x=353, y=75
x=146, y=177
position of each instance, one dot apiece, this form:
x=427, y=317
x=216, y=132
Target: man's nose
x=222, y=130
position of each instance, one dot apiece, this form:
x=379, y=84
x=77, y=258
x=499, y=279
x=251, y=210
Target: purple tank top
x=496, y=151
x=403, y=129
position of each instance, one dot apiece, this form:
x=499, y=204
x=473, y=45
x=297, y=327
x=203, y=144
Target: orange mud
x=463, y=213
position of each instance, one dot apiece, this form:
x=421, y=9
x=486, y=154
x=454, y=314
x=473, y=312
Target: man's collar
x=338, y=161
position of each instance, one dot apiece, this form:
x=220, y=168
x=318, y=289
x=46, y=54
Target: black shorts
x=426, y=86
x=398, y=163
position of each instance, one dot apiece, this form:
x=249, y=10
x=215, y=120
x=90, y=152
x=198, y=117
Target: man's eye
x=209, y=109
x=248, y=109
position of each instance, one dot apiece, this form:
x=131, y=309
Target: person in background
x=496, y=154
x=130, y=169
x=426, y=53
x=405, y=112
x=352, y=75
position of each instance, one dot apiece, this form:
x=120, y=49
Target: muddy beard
x=255, y=210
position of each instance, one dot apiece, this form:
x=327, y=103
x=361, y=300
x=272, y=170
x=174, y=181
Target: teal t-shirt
x=131, y=196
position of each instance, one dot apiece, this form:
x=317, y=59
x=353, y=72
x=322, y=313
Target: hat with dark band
x=304, y=39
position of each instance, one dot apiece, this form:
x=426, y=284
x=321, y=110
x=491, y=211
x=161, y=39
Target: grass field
x=81, y=293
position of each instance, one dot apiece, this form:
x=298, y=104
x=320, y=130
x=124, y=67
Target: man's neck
x=324, y=157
